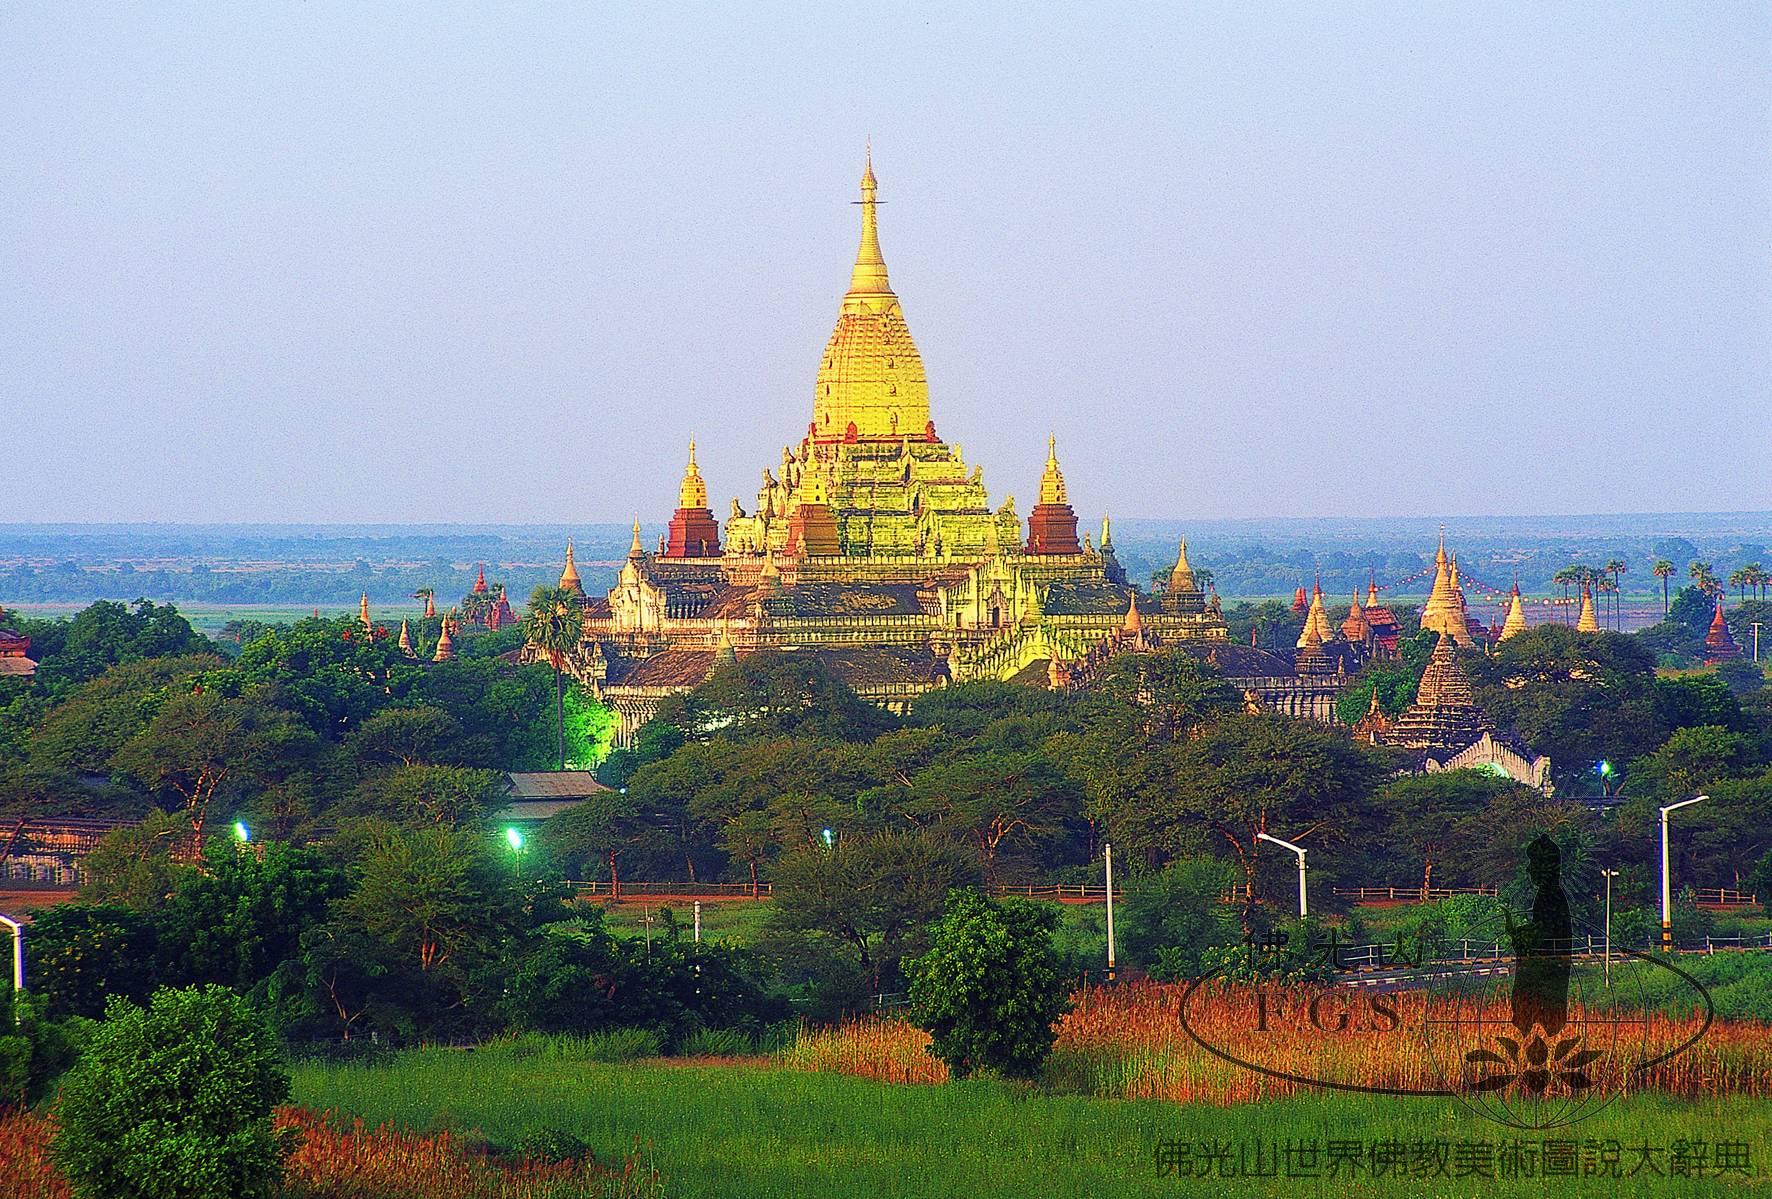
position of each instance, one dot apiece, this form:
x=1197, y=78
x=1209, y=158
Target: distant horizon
x=1085, y=521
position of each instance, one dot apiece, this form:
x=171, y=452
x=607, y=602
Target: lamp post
x=1108, y=851
x=18, y=954
x=1667, y=928
x=1610, y=875
x=1303, y=908
x=515, y=837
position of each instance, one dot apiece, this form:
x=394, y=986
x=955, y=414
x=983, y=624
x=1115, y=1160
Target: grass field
x=752, y=1130
x=732, y=920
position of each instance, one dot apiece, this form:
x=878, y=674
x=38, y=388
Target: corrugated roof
x=553, y=784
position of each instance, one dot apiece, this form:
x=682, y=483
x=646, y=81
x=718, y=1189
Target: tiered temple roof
x=1719, y=642
x=875, y=546
x=1447, y=730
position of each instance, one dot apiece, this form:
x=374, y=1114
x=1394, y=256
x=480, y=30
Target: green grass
x=737, y=921
x=744, y=1131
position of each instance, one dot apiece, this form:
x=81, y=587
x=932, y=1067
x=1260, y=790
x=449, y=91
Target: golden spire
x=1316, y=629
x=405, y=639
x=1107, y=534
x=870, y=381
x=363, y=612
x=1134, y=626
x=1052, y=481
x=1181, y=577
x=445, y=645
x=1585, y=622
x=694, y=492
x=569, y=577
x=869, y=276
x=1372, y=589
x=636, y=550
x=1515, y=624
x=430, y=606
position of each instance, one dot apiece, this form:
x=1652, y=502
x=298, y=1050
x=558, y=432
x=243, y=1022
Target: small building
x=15, y=656
x=537, y=796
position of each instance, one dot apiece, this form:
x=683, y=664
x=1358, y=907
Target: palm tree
x=1566, y=578
x=1741, y=580
x=1616, y=567
x=554, y=627
x=1756, y=578
x=1706, y=580
x=1663, y=570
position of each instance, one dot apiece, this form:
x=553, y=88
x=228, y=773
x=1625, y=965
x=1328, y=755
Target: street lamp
x=18, y=954
x=1303, y=910
x=1108, y=852
x=1610, y=875
x=1667, y=928
x=516, y=839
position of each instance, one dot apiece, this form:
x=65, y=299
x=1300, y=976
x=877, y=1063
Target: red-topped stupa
x=1052, y=525
x=694, y=533
x=1719, y=643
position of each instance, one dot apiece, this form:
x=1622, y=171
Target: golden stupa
x=873, y=545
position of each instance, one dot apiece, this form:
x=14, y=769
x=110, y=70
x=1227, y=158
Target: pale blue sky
x=498, y=262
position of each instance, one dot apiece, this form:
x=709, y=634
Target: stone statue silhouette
x=1542, y=945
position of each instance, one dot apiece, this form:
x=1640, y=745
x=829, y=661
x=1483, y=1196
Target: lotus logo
x=1529, y=1041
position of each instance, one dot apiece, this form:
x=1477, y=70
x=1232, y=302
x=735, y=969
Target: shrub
x=548, y=1145
x=174, y=1101
x=34, y=1050
x=81, y=954
x=990, y=988
x=1171, y=918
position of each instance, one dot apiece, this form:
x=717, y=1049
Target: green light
x=515, y=838
x=241, y=832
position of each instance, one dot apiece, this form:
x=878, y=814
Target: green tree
x=554, y=627
x=1663, y=570
x=243, y=916
x=405, y=736
x=775, y=694
x=174, y=1102
x=81, y=954
x=202, y=741
x=430, y=794
x=601, y=829
x=1172, y=916
x=872, y=896
x=989, y=990
x=1265, y=773
x=428, y=893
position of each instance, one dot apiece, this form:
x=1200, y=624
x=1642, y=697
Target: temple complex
x=1444, y=729
x=874, y=545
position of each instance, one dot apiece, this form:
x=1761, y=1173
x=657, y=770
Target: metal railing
x=1405, y=894
x=1723, y=897
x=643, y=890
x=1391, y=956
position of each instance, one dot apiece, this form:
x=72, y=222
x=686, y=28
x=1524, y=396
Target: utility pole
x=698, y=922
x=1667, y=928
x=18, y=955
x=1108, y=850
x=1610, y=875
x=1755, y=626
